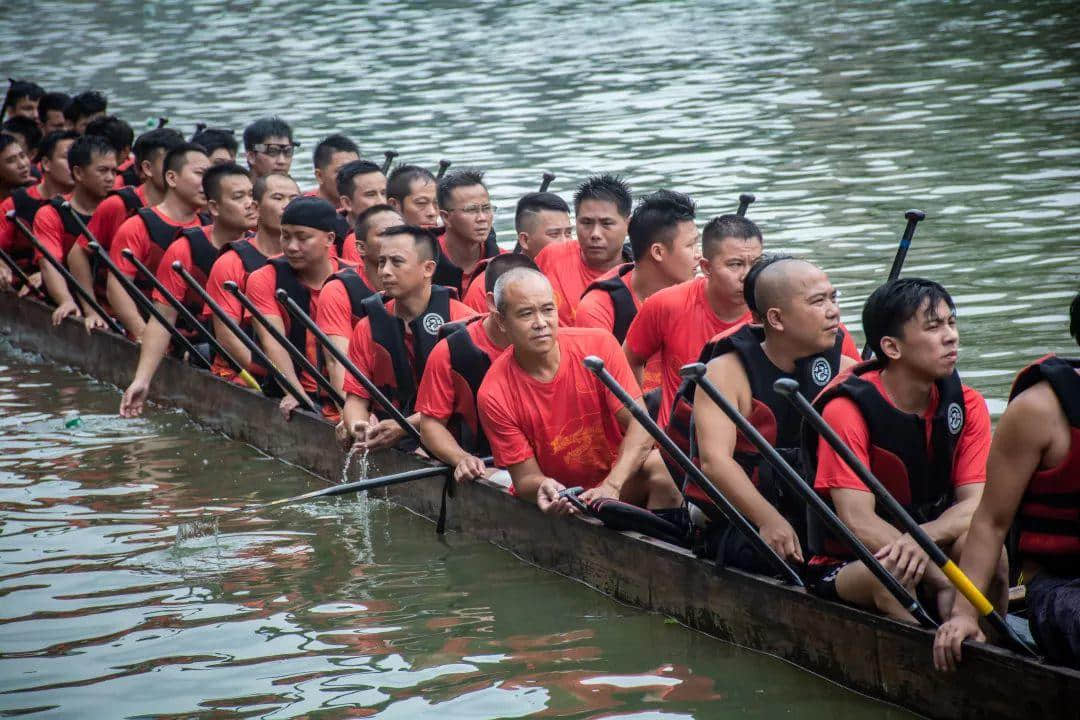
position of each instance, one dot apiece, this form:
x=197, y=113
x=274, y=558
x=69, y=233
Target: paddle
x=297, y=356
x=443, y=165
x=73, y=284
x=913, y=219
x=745, y=200
x=696, y=372
x=546, y=181
x=790, y=389
x=694, y=474
x=389, y=155
x=251, y=345
x=23, y=277
x=174, y=304
x=361, y=485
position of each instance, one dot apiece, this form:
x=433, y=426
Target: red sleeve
x=848, y=347
x=973, y=447
x=179, y=250
x=616, y=363
x=7, y=228
x=132, y=234
x=595, y=311
x=646, y=334
x=842, y=414
x=475, y=296
x=435, y=396
x=362, y=356
x=106, y=220
x=508, y=443
x=334, y=314
x=50, y=231
x=227, y=267
x=460, y=311
x=261, y=286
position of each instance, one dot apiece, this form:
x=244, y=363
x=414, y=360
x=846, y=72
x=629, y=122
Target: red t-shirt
x=335, y=315
x=349, y=254
x=108, y=217
x=134, y=235
x=567, y=424
x=843, y=415
x=437, y=395
x=227, y=267
x=12, y=240
x=262, y=289
x=676, y=323
x=362, y=347
x=180, y=250
x=120, y=181
x=467, y=278
x=476, y=295
x=49, y=229
x=569, y=276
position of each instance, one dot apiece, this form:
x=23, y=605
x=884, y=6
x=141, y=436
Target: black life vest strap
x=25, y=206
x=71, y=227
x=132, y=203
x=161, y=233
x=250, y=256
x=203, y=252
x=471, y=364
x=1061, y=374
x=357, y=290
x=130, y=175
x=621, y=299
x=287, y=280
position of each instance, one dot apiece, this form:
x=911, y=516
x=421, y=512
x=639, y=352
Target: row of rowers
x=502, y=373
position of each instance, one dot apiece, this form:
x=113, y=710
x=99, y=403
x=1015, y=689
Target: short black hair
x=605, y=188
x=1074, y=318
x=399, y=184
x=501, y=264
x=726, y=226
x=82, y=151
x=749, y=287
x=264, y=128
x=258, y=188
x=176, y=159
x=656, y=219
x=896, y=302
x=347, y=174
x=532, y=204
x=466, y=177
x=27, y=127
x=51, y=101
x=48, y=145
x=216, y=138
x=21, y=89
x=153, y=140
x=85, y=104
x=363, y=220
x=211, y=181
x=116, y=131
x=330, y=145
x=422, y=239
x=7, y=140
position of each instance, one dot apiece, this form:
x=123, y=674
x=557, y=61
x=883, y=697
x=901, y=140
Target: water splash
x=362, y=464
x=206, y=526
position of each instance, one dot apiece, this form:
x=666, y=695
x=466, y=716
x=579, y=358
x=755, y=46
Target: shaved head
x=781, y=281
x=519, y=280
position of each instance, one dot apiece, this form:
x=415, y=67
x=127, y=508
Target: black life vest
x=286, y=279
x=71, y=227
x=203, y=256
x=920, y=478
x=627, y=252
x=26, y=208
x=450, y=275
x=395, y=373
x=132, y=203
x=357, y=290
x=469, y=364
x=162, y=234
x=130, y=176
x=621, y=298
x=1048, y=519
x=250, y=256
x=205, y=218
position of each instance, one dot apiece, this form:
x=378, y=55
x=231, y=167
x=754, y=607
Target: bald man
x=800, y=337
x=550, y=421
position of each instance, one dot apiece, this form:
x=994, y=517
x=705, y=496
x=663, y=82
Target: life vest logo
x=432, y=322
x=955, y=418
x=820, y=371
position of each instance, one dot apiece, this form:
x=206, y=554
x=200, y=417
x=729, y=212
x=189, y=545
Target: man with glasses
x=468, y=214
x=269, y=145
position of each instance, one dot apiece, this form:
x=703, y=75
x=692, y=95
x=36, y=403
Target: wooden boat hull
x=881, y=658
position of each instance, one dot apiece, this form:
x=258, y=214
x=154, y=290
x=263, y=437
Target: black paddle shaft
x=443, y=165
x=362, y=485
x=73, y=284
x=295, y=353
x=250, y=344
x=596, y=366
x=914, y=217
x=696, y=372
x=745, y=201
x=546, y=180
x=389, y=155
x=21, y=274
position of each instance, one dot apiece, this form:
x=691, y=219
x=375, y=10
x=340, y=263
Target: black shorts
x=1054, y=616
x=820, y=580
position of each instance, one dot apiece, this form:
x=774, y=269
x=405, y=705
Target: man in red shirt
x=120, y=135
x=25, y=201
x=307, y=261
x=449, y=424
x=391, y=344
x=468, y=214
x=83, y=108
x=50, y=112
x=220, y=144
x=331, y=154
x=360, y=184
x=150, y=231
x=92, y=162
x=602, y=210
x=341, y=300
x=21, y=99
x=14, y=166
x=550, y=421
x=228, y=191
x=676, y=322
x=926, y=436
x=541, y=219
x=272, y=193
x=269, y=146
x=411, y=190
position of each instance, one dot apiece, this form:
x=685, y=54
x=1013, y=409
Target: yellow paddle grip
x=251, y=382
x=967, y=588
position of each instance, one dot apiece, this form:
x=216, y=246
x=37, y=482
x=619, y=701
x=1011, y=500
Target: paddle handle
x=389, y=155
x=443, y=165
x=546, y=180
x=21, y=274
x=745, y=201
x=596, y=366
x=914, y=217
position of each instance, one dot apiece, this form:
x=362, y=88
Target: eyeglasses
x=273, y=150
x=476, y=209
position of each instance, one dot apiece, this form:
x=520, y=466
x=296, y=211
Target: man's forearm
x=440, y=441
x=79, y=266
x=232, y=344
x=124, y=306
x=635, y=447
x=731, y=480
x=155, y=343
x=54, y=282
x=952, y=523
